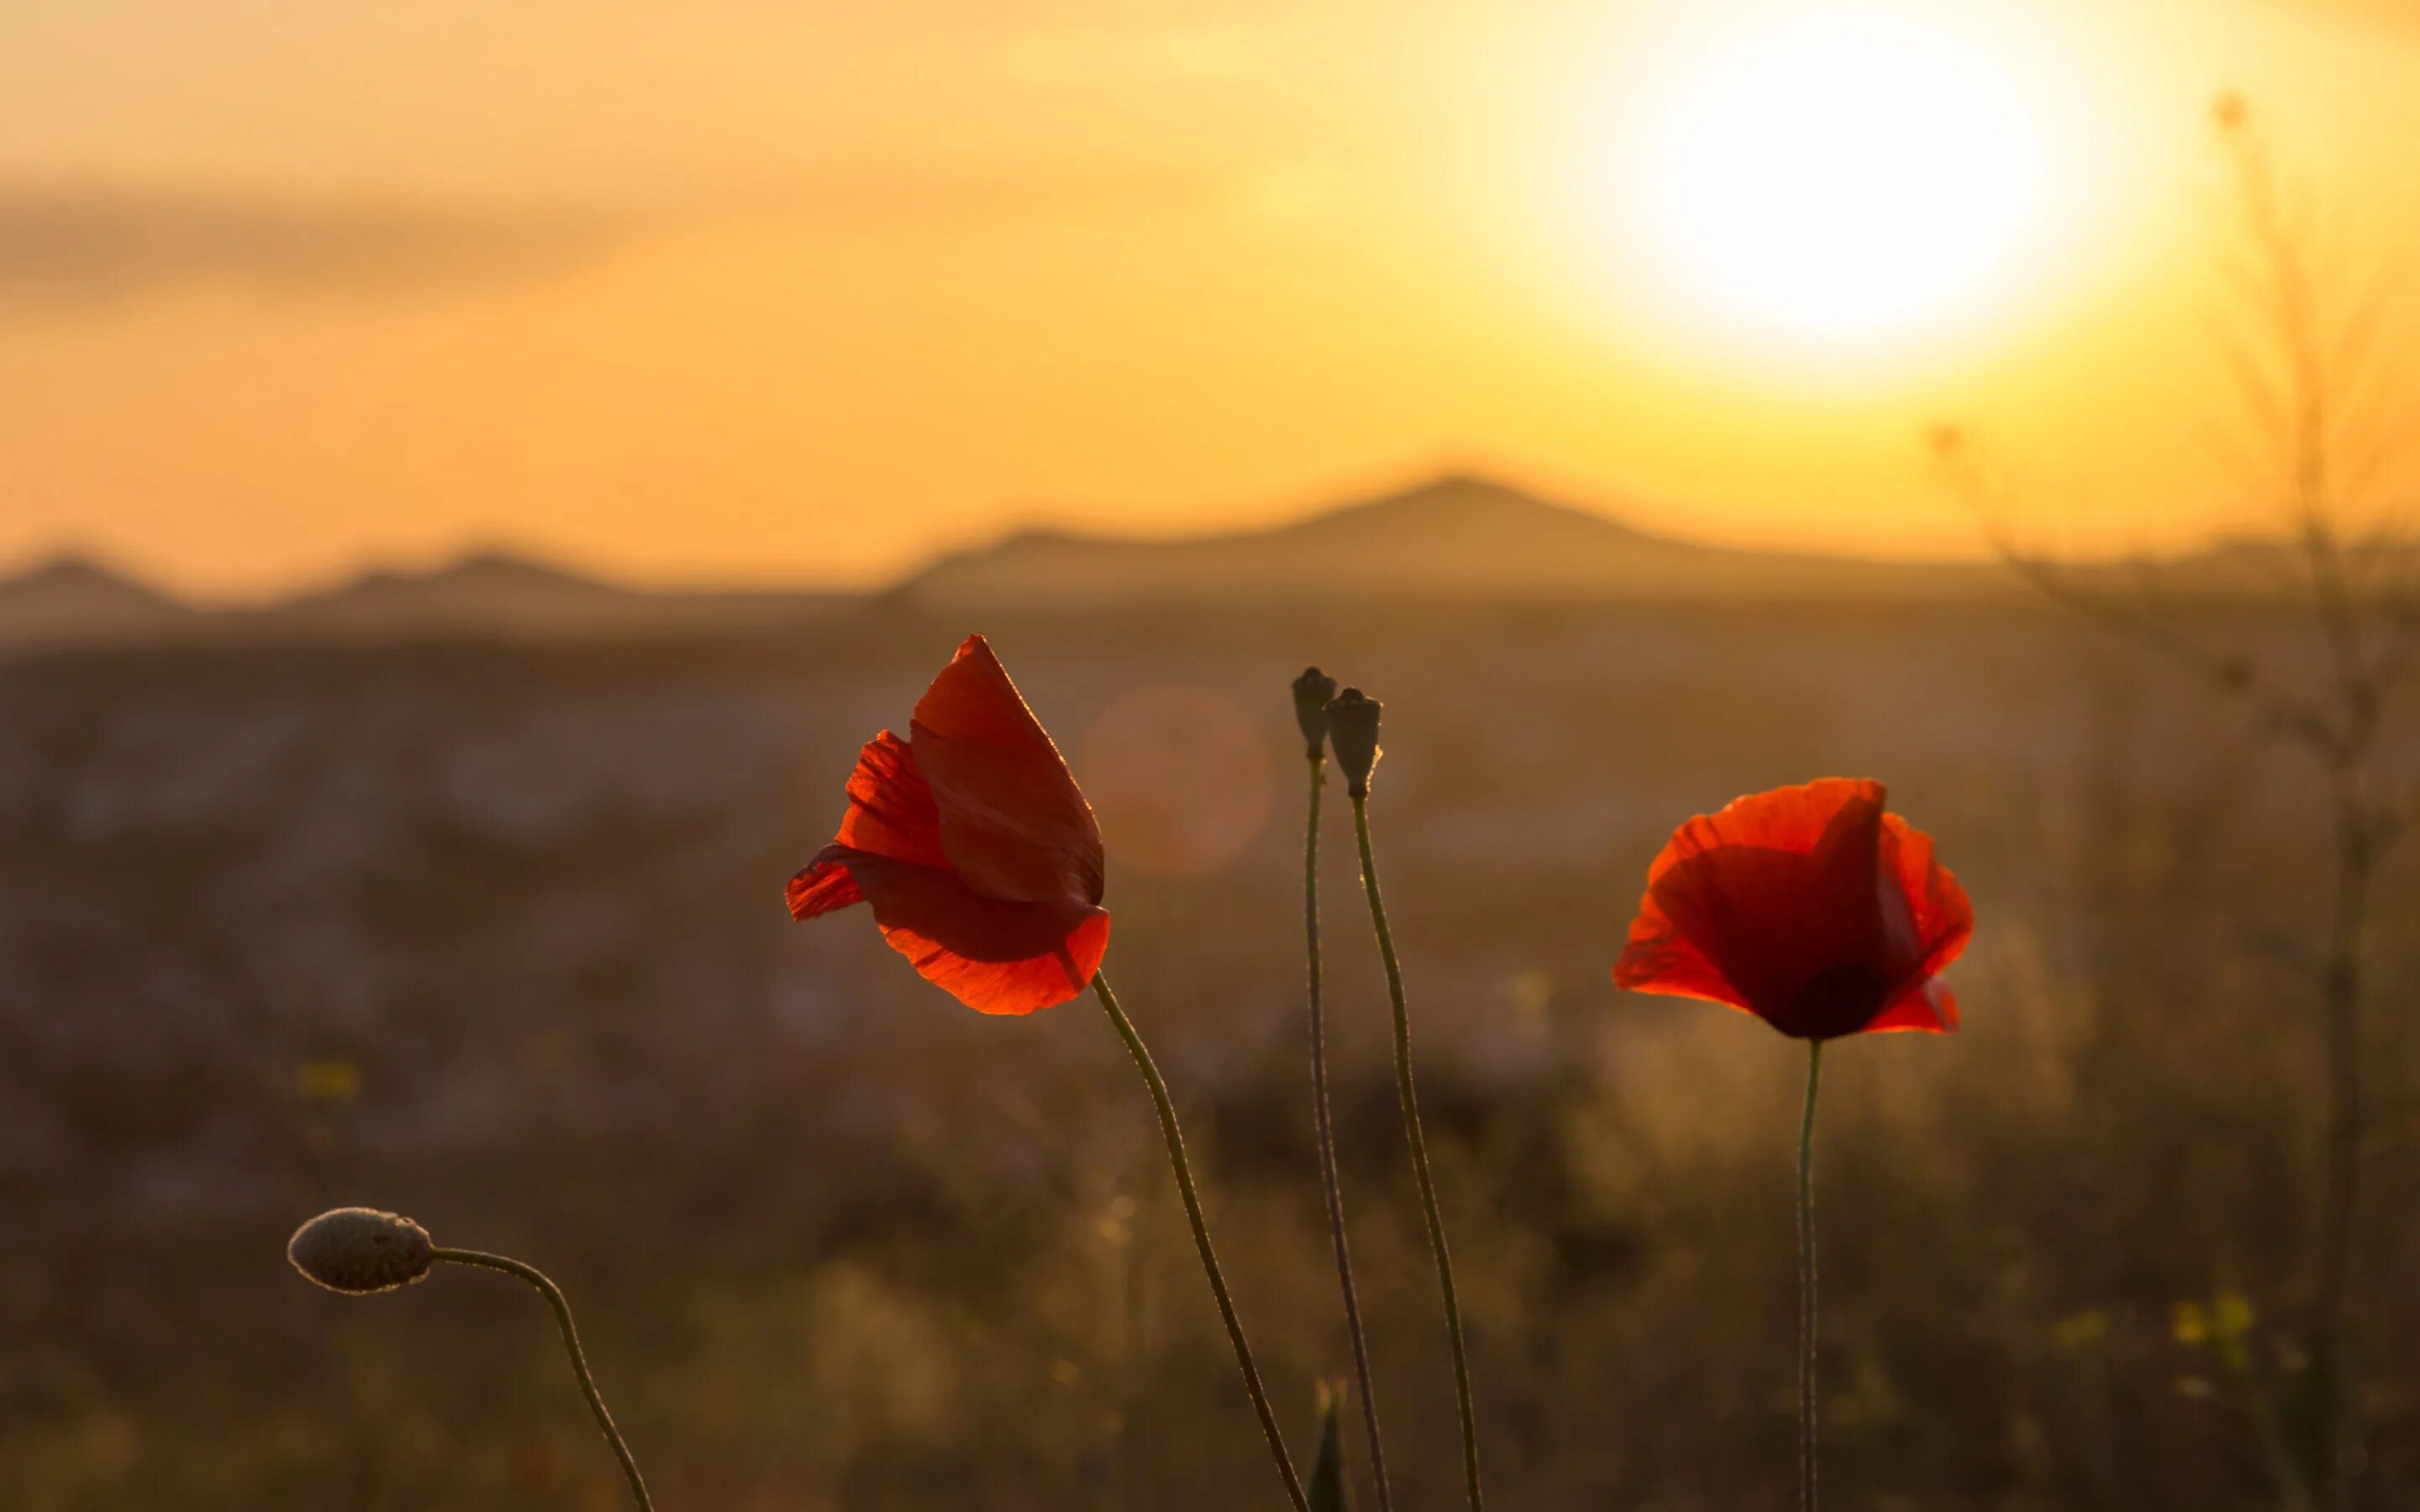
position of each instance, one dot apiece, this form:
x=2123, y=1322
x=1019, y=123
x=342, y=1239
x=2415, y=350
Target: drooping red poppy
x=974, y=846
x=1810, y=907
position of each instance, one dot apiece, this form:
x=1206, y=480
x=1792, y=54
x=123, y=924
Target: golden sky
x=737, y=290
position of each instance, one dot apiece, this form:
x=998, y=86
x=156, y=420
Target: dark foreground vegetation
x=493, y=936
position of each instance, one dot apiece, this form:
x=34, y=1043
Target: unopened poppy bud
x=1353, y=731
x=361, y=1250
x=1311, y=691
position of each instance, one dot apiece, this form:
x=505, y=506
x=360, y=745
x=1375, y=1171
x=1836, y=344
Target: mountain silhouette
x=1454, y=537
x=487, y=593
x=73, y=599
x=504, y=595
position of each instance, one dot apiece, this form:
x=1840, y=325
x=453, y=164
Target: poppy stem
x=1410, y=1100
x=1184, y=1169
x=1326, y=1125
x=1807, y=1281
x=554, y=1299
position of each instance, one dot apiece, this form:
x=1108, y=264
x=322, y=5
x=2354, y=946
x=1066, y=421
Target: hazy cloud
x=75, y=249
x=68, y=248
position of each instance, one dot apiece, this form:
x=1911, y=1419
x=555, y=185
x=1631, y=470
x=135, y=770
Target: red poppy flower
x=1808, y=908
x=974, y=845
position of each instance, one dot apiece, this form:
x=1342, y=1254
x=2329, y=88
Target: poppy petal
x=1932, y=1008
x=1659, y=958
x=994, y=955
x=823, y=885
x=1810, y=908
x=1010, y=987
x=1012, y=820
x=1793, y=819
x=1778, y=893
x=891, y=807
x=1943, y=917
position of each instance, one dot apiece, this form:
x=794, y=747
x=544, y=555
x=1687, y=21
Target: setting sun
x=1846, y=174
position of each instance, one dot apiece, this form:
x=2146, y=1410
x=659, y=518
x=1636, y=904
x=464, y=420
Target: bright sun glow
x=1846, y=174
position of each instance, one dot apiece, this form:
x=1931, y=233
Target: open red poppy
x=973, y=844
x=1807, y=907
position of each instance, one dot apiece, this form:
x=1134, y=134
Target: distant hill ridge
x=72, y=598
x=72, y=601
x=1454, y=537
x=1457, y=537
x=490, y=591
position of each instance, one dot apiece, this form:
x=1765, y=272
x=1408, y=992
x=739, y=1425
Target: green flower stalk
x=361, y=1251
x=1807, y=1296
x=1312, y=691
x=1353, y=733
x=1175, y=1139
x=984, y=865
x=1817, y=911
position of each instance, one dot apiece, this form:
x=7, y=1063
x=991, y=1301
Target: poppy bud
x=361, y=1250
x=1311, y=691
x=1353, y=731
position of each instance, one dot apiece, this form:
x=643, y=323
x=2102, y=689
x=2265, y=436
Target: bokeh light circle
x=1181, y=778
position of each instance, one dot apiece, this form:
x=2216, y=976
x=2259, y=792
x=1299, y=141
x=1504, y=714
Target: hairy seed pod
x=360, y=1250
x=1311, y=691
x=1353, y=733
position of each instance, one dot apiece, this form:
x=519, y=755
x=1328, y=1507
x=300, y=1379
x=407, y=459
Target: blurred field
x=492, y=935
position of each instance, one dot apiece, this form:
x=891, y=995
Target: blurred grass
x=492, y=936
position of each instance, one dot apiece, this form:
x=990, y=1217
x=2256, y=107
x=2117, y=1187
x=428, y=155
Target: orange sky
x=737, y=291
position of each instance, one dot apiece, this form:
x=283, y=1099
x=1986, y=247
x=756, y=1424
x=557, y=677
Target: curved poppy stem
x=1326, y=1125
x=1807, y=1280
x=1184, y=1169
x=554, y=1299
x=1411, y=1101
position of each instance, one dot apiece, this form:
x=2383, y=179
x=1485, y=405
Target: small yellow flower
x=2231, y=1315
x=2079, y=1332
x=328, y=1081
x=2189, y=1323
